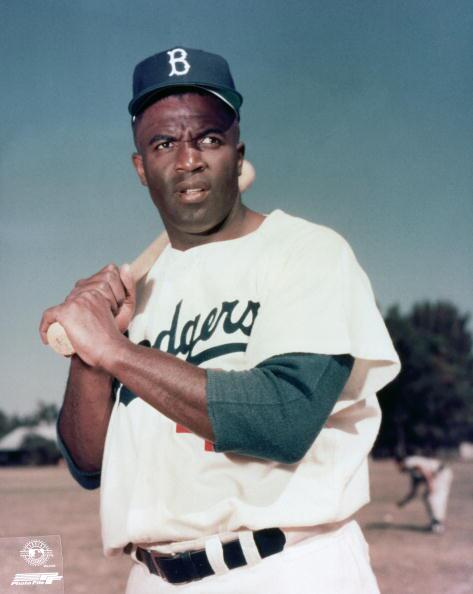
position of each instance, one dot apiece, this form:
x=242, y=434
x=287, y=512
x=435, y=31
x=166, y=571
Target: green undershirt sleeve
x=275, y=410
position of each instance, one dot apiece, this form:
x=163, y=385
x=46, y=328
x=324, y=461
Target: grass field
x=406, y=558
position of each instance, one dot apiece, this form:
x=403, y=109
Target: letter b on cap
x=178, y=62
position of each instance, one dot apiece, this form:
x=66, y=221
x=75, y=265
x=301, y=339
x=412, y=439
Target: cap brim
x=230, y=97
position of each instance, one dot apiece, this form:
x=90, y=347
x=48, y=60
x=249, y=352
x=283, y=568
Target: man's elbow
x=284, y=448
x=291, y=450
x=90, y=482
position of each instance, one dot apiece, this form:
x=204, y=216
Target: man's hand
x=116, y=285
x=95, y=313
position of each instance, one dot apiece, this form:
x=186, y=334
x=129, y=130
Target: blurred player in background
x=436, y=478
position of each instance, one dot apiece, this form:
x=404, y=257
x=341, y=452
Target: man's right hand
x=112, y=285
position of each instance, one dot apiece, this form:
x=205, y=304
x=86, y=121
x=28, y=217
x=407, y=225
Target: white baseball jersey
x=427, y=465
x=290, y=286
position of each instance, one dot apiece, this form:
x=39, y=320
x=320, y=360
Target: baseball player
x=226, y=404
x=436, y=478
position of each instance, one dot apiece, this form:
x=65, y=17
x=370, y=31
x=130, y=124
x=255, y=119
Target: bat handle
x=59, y=341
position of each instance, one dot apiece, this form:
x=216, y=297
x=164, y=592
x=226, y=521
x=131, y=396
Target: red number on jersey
x=209, y=446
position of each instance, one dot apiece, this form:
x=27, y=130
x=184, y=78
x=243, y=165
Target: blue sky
x=357, y=115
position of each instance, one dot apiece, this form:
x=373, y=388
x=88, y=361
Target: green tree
x=430, y=404
x=5, y=424
x=47, y=413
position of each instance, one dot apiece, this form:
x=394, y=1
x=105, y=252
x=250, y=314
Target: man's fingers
x=107, y=282
x=128, y=282
x=102, y=287
x=112, y=276
x=49, y=316
x=128, y=306
x=109, y=268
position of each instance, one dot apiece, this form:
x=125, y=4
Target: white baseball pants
x=437, y=499
x=332, y=563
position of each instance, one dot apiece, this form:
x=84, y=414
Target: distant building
x=30, y=446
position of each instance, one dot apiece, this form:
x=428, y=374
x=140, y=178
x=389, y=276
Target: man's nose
x=189, y=157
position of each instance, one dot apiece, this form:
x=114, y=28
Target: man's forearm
x=85, y=414
x=174, y=387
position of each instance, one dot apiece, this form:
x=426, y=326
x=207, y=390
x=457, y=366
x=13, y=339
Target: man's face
x=189, y=157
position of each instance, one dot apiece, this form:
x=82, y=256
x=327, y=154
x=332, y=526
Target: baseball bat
x=56, y=335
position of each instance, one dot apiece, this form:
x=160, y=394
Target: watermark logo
x=36, y=553
x=31, y=563
x=35, y=579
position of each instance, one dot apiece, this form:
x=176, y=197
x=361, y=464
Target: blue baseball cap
x=181, y=68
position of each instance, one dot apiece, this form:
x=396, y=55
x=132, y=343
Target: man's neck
x=238, y=223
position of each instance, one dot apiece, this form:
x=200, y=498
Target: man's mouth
x=192, y=193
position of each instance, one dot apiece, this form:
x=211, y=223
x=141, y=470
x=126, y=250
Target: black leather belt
x=194, y=565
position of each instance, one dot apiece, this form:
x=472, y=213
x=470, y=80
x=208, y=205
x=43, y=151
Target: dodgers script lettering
x=194, y=332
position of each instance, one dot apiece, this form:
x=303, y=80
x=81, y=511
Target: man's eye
x=210, y=140
x=163, y=145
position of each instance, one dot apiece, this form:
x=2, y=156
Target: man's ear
x=138, y=165
x=241, y=155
